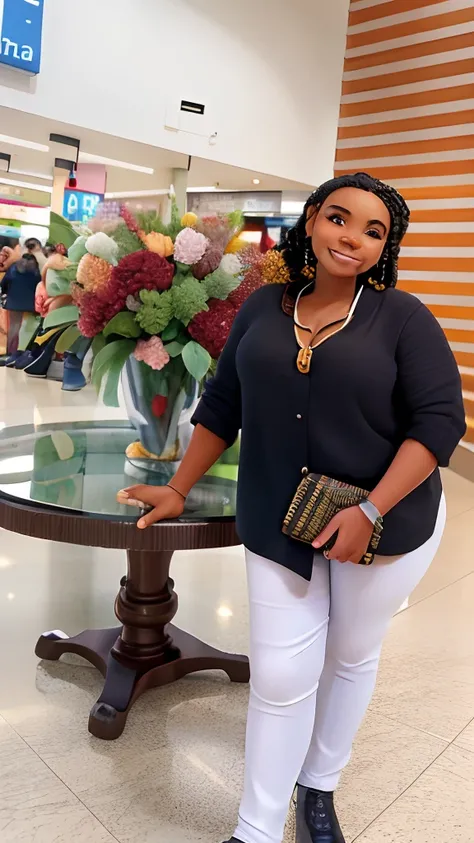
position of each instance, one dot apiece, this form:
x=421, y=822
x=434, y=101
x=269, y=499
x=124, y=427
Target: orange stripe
x=449, y=191
x=412, y=27
x=468, y=383
x=412, y=51
x=438, y=265
x=439, y=95
x=469, y=435
x=444, y=215
x=453, y=239
x=413, y=171
x=409, y=148
x=463, y=358
x=446, y=311
x=438, y=288
x=386, y=9
x=428, y=121
x=405, y=77
x=469, y=406
x=454, y=335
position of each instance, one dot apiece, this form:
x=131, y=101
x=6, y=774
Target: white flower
x=231, y=264
x=102, y=246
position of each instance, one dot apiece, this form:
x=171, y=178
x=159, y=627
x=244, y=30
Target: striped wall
x=407, y=117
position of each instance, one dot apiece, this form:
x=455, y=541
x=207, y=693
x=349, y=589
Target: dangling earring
x=379, y=284
x=309, y=269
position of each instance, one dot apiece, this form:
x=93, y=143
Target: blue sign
x=21, y=27
x=80, y=206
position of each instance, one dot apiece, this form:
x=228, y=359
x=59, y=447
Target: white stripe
x=468, y=396
x=433, y=181
x=409, y=40
x=408, y=64
x=357, y=5
x=400, y=160
x=462, y=346
x=442, y=83
x=437, y=251
x=441, y=227
x=457, y=324
x=451, y=301
x=406, y=113
x=422, y=275
x=412, y=15
x=442, y=204
x=463, y=130
x=466, y=370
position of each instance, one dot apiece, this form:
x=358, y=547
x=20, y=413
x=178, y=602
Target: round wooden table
x=59, y=482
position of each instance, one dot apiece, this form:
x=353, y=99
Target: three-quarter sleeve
x=219, y=409
x=430, y=385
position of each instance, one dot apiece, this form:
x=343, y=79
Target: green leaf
x=67, y=339
x=124, y=324
x=196, y=359
x=68, y=274
x=112, y=357
x=172, y=330
x=98, y=344
x=61, y=231
x=174, y=349
x=61, y=316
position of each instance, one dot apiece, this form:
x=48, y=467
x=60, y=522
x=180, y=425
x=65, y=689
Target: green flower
x=220, y=284
x=189, y=298
x=156, y=311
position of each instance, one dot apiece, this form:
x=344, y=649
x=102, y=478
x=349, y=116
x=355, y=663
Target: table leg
x=147, y=651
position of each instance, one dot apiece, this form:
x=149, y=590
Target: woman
x=379, y=406
x=18, y=288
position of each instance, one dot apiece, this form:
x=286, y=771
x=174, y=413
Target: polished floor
x=175, y=775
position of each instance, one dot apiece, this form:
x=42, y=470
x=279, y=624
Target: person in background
x=34, y=247
x=18, y=288
x=342, y=375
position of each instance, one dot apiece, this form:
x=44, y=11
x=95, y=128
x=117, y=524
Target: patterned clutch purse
x=318, y=499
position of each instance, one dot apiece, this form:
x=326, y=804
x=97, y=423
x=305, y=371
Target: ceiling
x=19, y=124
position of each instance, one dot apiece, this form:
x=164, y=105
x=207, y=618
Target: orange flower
x=160, y=244
x=275, y=269
x=93, y=273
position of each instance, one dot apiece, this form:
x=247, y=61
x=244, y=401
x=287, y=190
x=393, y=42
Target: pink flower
x=190, y=246
x=152, y=352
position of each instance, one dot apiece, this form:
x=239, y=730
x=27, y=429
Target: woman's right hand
x=165, y=502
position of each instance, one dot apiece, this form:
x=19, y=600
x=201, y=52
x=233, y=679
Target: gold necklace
x=305, y=354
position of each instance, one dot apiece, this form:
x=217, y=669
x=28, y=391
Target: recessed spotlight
x=224, y=612
x=255, y=181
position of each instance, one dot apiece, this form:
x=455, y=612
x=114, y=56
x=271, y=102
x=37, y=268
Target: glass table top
x=81, y=466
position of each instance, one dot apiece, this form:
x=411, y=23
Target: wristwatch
x=371, y=512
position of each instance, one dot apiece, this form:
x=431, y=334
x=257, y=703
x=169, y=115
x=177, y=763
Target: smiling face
x=349, y=232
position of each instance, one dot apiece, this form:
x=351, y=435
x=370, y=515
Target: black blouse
x=388, y=376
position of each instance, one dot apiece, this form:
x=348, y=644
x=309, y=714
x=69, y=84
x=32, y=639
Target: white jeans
x=314, y=653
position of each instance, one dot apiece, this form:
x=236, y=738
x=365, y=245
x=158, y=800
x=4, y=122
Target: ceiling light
x=26, y=184
x=31, y=174
x=255, y=181
x=224, y=612
x=90, y=158
x=38, y=147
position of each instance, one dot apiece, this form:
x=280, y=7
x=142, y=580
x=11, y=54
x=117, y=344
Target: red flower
x=159, y=405
x=141, y=270
x=252, y=281
x=211, y=328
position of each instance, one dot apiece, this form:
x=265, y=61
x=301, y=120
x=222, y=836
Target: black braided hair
x=294, y=245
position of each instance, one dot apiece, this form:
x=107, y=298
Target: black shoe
x=316, y=820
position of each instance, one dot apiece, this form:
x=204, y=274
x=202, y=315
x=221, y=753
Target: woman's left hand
x=354, y=533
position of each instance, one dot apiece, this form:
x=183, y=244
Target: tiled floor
x=175, y=775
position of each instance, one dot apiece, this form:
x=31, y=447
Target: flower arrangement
x=161, y=297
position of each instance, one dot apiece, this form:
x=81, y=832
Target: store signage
x=21, y=28
x=9, y=231
x=80, y=206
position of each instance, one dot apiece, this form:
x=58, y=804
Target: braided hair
x=296, y=245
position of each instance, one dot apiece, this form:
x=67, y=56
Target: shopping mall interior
x=153, y=155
